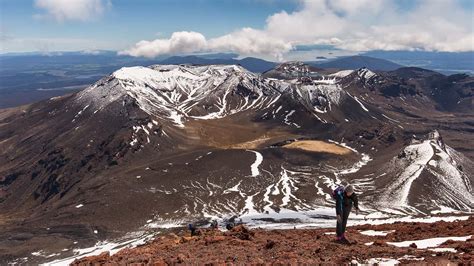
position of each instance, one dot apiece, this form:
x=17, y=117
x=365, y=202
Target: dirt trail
x=307, y=246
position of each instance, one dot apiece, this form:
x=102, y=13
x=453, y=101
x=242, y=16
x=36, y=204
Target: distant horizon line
x=99, y=51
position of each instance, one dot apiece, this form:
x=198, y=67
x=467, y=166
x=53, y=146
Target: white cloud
x=246, y=41
x=354, y=25
x=433, y=25
x=180, y=42
x=249, y=41
x=78, y=10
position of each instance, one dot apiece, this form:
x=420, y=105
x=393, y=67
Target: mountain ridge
x=359, y=61
x=251, y=63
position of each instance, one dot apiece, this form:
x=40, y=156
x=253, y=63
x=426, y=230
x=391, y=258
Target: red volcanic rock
x=242, y=232
x=213, y=239
x=380, y=243
x=270, y=244
x=257, y=246
x=93, y=260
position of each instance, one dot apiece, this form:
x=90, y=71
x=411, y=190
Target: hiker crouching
x=345, y=198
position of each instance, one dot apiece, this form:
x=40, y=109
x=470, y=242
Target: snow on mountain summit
x=136, y=73
x=366, y=73
x=176, y=92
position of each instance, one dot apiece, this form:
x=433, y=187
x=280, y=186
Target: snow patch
x=453, y=250
x=383, y=261
x=130, y=241
x=361, y=105
x=342, y=73
x=256, y=164
x=376, y=233
x=430, y=242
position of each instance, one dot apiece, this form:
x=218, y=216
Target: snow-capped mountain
x=181, y=93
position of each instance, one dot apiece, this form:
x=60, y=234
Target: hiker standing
x=345, y=198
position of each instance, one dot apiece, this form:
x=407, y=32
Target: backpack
x=229, y=226
x=338, y=190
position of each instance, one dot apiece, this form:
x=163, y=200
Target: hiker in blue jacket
x=345, y=198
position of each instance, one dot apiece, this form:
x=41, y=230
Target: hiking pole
x=365, y=216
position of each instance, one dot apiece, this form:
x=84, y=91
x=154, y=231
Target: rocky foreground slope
x=440, y=243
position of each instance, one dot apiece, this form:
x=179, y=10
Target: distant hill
x=219, y=56
x=443, y=62
x=249, y=63
x=358, y=61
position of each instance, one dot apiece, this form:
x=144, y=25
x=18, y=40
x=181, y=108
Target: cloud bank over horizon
x=353, y=25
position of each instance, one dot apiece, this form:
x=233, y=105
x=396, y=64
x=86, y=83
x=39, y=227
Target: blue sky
x=128, y=21
x=265, y=28
x=144, y=18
